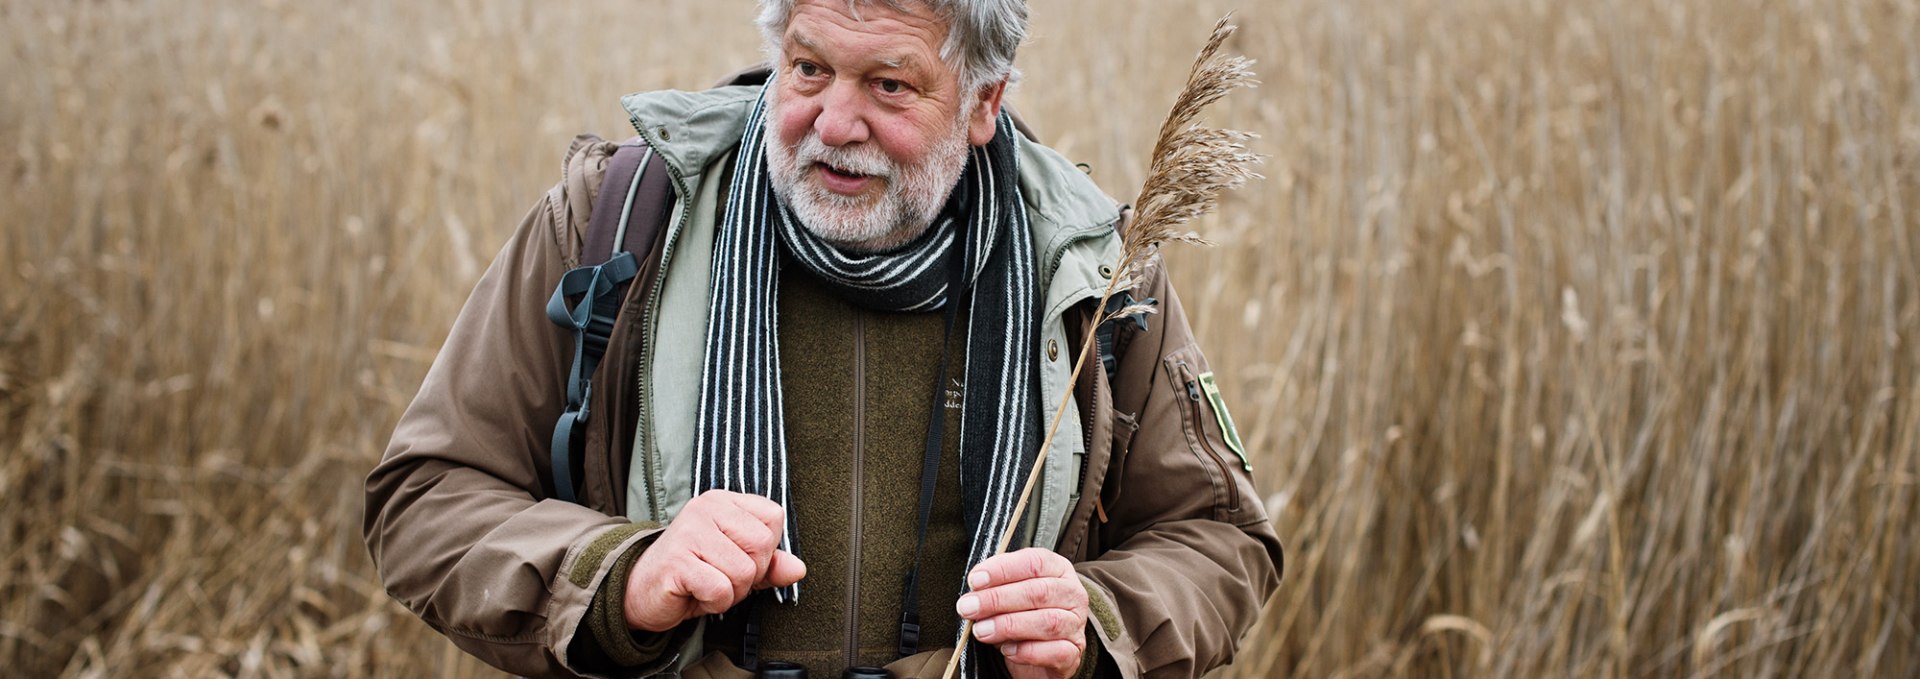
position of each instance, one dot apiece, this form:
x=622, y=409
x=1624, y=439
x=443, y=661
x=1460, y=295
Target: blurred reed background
x=1572, y=338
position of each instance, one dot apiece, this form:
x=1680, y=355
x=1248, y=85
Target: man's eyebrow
x=904, y=62
x=896, y=62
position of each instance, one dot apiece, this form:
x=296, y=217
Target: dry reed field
x=1573, y=338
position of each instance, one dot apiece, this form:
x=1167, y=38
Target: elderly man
x=862, y=235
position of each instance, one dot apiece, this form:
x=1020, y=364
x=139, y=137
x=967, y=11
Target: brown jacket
x=1166, y=527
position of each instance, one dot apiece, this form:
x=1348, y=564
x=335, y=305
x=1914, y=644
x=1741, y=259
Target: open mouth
x=842, y=180
x=841, y=172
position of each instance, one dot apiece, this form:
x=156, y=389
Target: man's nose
x=842, y=118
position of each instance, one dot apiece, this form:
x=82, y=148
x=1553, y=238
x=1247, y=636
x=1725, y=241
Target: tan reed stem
x=1033, y=477
x=1190, y=166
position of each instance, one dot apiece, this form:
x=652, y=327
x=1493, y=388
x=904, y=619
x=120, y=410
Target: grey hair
x=982, y=35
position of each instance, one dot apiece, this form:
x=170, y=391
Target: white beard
x=911, y=200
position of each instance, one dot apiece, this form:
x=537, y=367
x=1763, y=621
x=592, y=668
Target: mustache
x=864, y=159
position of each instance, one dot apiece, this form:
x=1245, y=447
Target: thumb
x=782, y=570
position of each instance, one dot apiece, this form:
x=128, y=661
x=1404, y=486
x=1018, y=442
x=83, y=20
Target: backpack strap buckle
x=591, y=321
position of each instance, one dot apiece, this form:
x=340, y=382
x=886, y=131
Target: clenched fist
x=721, y=547
x=1032, y=606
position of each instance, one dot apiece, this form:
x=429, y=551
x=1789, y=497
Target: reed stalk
x=1191, y=165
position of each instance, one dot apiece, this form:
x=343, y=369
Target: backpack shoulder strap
x=629, y=213
x=631, y=201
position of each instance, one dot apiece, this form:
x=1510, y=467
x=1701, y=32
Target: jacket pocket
x=1202, y=422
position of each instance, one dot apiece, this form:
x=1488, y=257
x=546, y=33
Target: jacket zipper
x=1086, y=423
x=1200, y=433
x=644, y=366
x=859, y=479
x=1086, y=459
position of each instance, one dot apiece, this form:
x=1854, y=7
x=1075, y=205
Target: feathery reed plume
x=1191, y=165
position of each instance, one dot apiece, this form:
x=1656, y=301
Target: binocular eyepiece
x=787, y=670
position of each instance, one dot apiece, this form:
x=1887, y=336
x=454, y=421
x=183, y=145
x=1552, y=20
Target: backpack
x=636, y=195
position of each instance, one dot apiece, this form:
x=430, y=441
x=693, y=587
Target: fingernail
x=977, y=579
x=968, y=605
x=1009, y=648
x=983, y=628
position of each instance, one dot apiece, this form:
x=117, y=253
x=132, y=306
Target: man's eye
x=892, y=86
x=807, y=69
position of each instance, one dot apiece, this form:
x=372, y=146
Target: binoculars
x=787, y=670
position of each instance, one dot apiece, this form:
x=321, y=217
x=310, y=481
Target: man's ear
x=983, y=119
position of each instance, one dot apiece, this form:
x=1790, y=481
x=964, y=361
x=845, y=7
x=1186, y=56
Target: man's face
x=869, y=127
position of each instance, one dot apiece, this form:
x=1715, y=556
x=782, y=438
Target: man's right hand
x=719, y=549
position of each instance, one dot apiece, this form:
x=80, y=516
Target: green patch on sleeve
x=1103, y=612
x=1226, y=421
x=597, y=551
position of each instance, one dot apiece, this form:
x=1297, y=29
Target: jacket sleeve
x=456, y=519
x=1191, y=557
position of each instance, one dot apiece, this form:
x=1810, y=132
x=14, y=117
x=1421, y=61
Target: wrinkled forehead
x=900, y=55
x=896, y=33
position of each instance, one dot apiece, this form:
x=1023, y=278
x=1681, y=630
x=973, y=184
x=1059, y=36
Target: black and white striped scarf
x=741, y=445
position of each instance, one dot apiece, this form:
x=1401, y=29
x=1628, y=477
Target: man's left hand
x=1033, y=607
